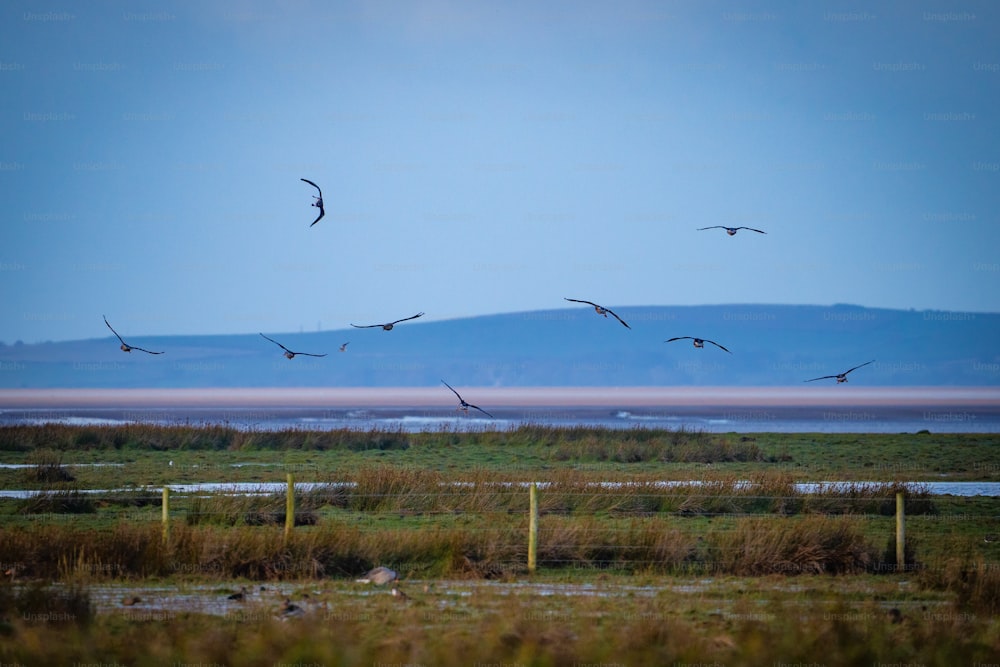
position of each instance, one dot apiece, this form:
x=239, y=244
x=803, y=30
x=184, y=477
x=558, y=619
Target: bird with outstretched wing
x=465, y=405
x=840, y=377
x=731, y=230
x=601, y=310
x=388, y=325
x=318, y=203
x=291, y=355
x=698, y=342
x=125, y=346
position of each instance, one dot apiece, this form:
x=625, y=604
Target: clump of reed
x=870, y=498
x=251, y=509
x=641, y=445
x=974, y=581
x=635, y=545
x=39, y=603
x=809, y=545
x=47, y=468
x=57, y=501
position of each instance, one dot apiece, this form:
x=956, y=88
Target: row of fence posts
x=532, y=521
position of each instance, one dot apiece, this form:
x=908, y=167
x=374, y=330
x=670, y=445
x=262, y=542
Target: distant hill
x=771, y=345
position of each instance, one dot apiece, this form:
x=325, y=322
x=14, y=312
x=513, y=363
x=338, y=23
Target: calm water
x=963, y=489
x=798, y=419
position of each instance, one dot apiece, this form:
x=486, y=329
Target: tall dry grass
x=484, y=546
x=810, y=545
x=974, y=581
x=582, y=442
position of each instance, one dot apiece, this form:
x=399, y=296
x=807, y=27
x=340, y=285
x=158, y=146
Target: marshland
x=653, y=546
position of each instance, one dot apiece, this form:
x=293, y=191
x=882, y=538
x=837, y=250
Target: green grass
x=206, y=455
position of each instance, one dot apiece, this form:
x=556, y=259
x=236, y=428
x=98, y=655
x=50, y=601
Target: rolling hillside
x=771, y=345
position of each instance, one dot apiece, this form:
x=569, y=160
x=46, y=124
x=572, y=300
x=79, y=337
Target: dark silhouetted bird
x=388, y=326
x=465, y=405
x=698, y=342
x=291, y=355
x=840, y=377
x=318, y=203
x=731, y=230
x=125, y=346
x=239, y=595
x=601, y=310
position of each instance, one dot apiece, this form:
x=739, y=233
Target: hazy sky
x=488, y=157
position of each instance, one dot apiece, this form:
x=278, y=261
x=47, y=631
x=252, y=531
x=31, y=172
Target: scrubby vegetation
x=630, y=513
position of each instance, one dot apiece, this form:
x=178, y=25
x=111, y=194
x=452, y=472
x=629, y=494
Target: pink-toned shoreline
x=318, y=397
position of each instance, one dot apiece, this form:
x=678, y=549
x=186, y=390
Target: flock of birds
x=463, y=404
x=379, y=576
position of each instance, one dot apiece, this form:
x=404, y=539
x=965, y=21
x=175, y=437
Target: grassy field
x=633, y=572
x=208, y=454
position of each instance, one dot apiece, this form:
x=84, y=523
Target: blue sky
x=482, y=158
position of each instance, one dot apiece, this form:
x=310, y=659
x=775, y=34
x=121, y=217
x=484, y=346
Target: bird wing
x=617, y=318
x=671, y=340
x=820, y=378
x=143, y=350
x=365, y=326
x=312, y=184
x=716, y=345
x=408, y=318
x=858, y=366
x=113, y=331
x=701, y=229
x=481, y=410
x=319, y=217
x=582, y=301
x=452, y=390
x=752, y=230
x=309, y=354
x=280, y=345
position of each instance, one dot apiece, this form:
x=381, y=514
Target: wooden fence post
x=900, y=531
x=532, y=528
x=166, y=514
x=289, y=507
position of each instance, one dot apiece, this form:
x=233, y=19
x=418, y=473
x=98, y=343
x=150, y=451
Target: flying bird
x=601, y=310
x=125, y=346
x=388, y=326
x=698, y=342
x=840, y=377
x=291, y=355
x=318, y=203
x=731, y=230
x=343, y=348
x=379, y=576
x=465, y=405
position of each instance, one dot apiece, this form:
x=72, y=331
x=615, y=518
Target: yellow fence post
x=166, y=514
x=533, y=528
x=900, y=531
x=289, y=507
